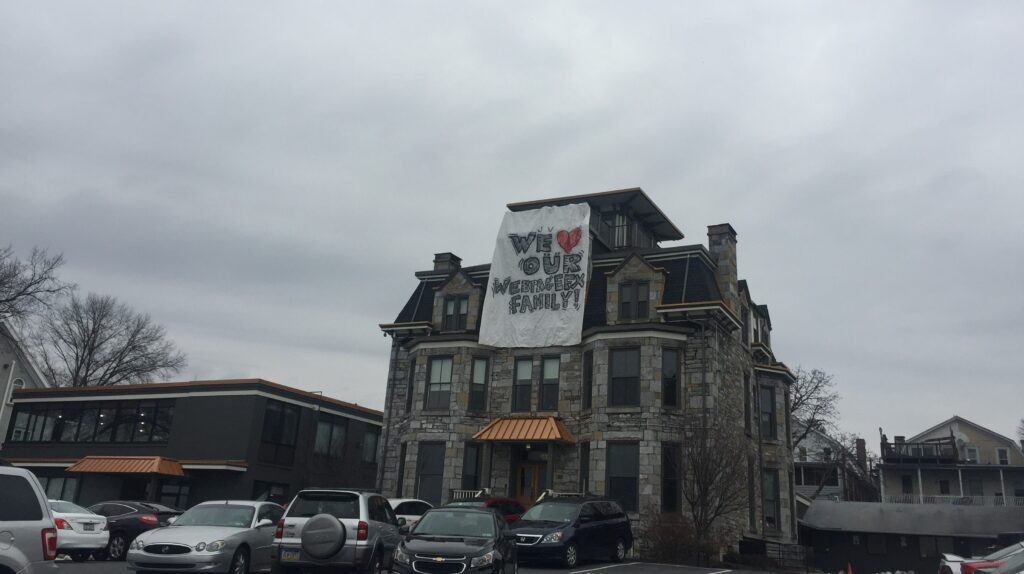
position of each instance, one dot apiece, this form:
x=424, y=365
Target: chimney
x=862, y=454
x=722, y=246
x=447, y=262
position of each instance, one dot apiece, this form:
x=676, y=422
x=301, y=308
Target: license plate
x=89, y=527
x=289, y=555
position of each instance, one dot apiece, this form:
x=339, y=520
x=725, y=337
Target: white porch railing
x=957, y=500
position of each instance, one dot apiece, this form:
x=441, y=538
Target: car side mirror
x=172, y=520
x=402, y=521
x=403, y=529
x=264, y=522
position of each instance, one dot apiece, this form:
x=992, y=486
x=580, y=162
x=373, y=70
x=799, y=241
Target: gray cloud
x=264, y=180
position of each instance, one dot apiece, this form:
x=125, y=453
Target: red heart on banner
x=569, y=239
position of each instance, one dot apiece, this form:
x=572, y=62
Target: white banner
x=538, y=283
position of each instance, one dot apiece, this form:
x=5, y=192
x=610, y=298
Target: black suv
x=568, y=530
x=456, y=540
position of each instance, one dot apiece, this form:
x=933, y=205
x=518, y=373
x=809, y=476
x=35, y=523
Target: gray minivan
x=28, y=538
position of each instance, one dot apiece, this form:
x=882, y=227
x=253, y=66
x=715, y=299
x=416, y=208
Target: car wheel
x=570, y=556
x=80, y=556
x=375, y=566
x=240, y=562
x=117, y=547
x=620, y=551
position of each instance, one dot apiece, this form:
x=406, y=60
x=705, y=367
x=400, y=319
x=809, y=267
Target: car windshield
x=337, y=504
x=1013, y=565
x=469, y=503
x=65, y=507
x=230, y=515
x=552, y=512
x=1004, y=552
x=455, y=523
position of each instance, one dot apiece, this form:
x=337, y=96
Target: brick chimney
x=862, y=454
x=447, y=262
x=722, y=246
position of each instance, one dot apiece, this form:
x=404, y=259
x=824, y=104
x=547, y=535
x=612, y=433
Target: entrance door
x=530, y=482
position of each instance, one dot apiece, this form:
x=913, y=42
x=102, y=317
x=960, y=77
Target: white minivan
x=28, y=538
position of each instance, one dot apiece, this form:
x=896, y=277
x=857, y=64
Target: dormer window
x=633, y=300
x=456, y=310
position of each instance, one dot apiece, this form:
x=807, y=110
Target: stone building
x=668, y=334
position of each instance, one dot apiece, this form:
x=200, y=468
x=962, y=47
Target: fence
x=955, y=500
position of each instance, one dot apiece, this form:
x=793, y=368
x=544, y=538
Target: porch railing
x=1017, y=501
x=468, y=494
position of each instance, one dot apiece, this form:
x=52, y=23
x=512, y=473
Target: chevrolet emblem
x=438, y=559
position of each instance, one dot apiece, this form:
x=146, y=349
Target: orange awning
x=526, y=429
x=129, y=465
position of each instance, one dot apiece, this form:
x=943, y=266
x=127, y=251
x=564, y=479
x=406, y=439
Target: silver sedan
x=232, y=536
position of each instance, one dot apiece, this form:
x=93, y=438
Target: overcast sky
x=265, y=179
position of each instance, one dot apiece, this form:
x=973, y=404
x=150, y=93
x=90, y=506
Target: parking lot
x=602, y=567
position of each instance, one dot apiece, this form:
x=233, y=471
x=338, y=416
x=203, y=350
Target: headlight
x=215, y=546
x=401, y=557
x=200, y=547
x=137, y=544
x=484, y=560
x=552, y=537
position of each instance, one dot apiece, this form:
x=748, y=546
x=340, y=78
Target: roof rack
x=549, y=493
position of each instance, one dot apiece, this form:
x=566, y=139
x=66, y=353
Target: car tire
x=79, y=555
x=376, y=565
x=117, y=548
x=619, y=553
x=239, y=562
x=570, y=556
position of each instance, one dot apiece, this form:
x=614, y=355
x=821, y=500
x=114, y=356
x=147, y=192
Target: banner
x=538, y=283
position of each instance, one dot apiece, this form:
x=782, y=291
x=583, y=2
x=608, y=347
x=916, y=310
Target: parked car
x=27, y=533
x=450, y=540
x=79, y=531
x=127, y=519
x=509, y=508
x=953, y=564
x=411, y=509
x=1013, y=564
x=336, y=528
x=571, y=529
x=233, y=536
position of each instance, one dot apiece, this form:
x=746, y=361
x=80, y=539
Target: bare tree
x=26, y=286
x=98, y=341
x=814, y=401
x=714, y=472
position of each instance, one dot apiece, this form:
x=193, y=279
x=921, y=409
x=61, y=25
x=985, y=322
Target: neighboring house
x=185, y=443
x=666, y=333
x=17, y=371
x=954, y=462
x=826, y=470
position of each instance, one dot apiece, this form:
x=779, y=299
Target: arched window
x=19, y=383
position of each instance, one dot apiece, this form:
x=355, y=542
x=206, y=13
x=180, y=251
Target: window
x=633, y=302
x=770, y=494
x=456, y=309
x=671, y=455
x=18, y=384
x=270, y=512
x=410, y=389
x=907, y=484
x=330, y=437
x=972, y=455
x=1003, y=455
x=588, y=378
x=430, y=472
x=751, y=503
x=549, y=385
x=123, y=421
x=471, y=467
x=60, y=487
x=670, y=377
x=174, y=493
x=478, y=388
x=745, y=330
x=585, y=467
x=624, y=473
x=280, y=427
x=269, y=491
x=943, y=487
x=371, y=437
x=746, y=404
x=803, y=454
x=625, y=378
x=18, y=500
x=975, y=487
x=826, y=454
x=768, y=430
x=412, y=508
x=927, y=546
x=439, y=387
x=401, y=469
x=522, y=384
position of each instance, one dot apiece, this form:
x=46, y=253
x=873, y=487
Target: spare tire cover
x=322, y=536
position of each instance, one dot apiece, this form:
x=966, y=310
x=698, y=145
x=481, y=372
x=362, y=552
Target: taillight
x=49, y=537
x=279, y=531
x=62, y=524
x=106, y=526
x=363, y=532
x=149, y=519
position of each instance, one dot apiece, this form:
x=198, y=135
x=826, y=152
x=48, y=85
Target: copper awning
x=129, y=465
x=526, y=429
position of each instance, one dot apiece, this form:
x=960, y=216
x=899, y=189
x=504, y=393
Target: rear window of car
x=412, y=508
x=337, y=504
x=66, y=507
x=18, y=500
